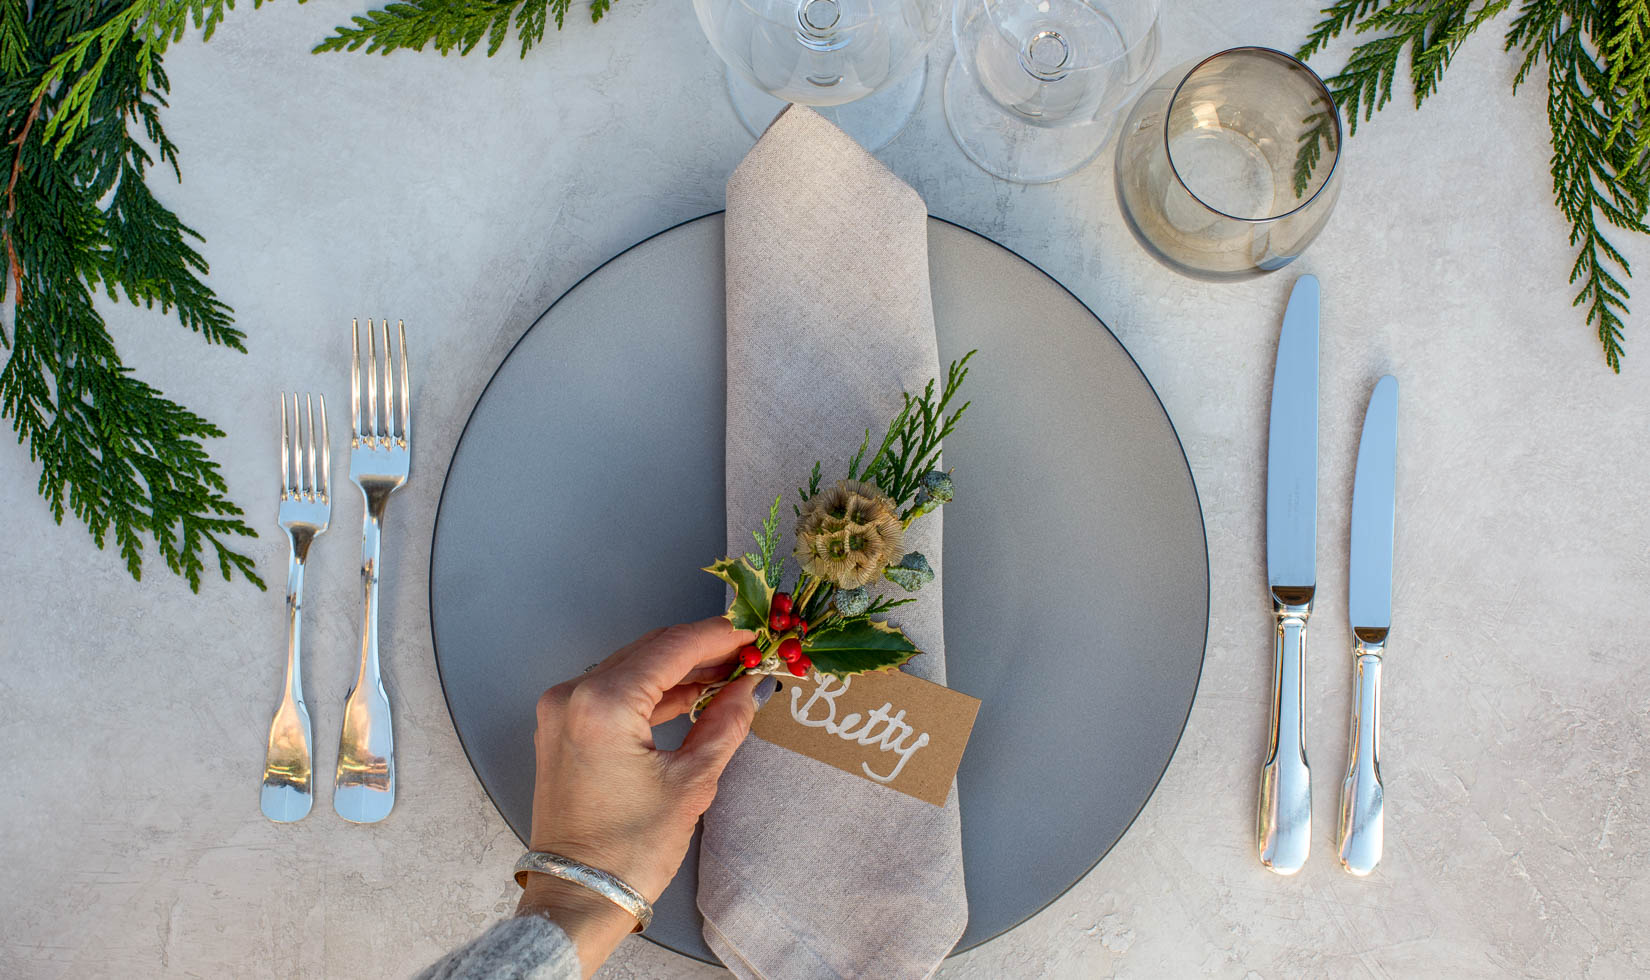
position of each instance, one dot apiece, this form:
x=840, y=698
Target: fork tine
x=326, y=454
x=355, y=378
x=406, y=404
x=297, y=449
x=372, y=384
x=284, y=448
x=309, y=411
x=389, y=387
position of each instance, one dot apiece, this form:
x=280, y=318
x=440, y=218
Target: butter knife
x=1369, y=604
x=1284, y=824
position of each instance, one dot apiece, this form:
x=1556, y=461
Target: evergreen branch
x=859, y=456
x=1598, y=95
x=1320, y=131
x=1431, y=30
x=449, y=25
x=882, y=604
x=879, y=606
x=113, y=451
x=1337, y=17
x=911, y=446
x=1630, y=74
x=1593, y=175
x=767, y=542
x=152, y=23
x=811, y=492
x=14, y=41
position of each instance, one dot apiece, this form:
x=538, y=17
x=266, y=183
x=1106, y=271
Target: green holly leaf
x=857, y=647
x=752, y=595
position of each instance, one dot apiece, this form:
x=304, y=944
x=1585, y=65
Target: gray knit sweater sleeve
x=528, y=947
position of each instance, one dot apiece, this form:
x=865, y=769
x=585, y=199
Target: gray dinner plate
x=586, y=492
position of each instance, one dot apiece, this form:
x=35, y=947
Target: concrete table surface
x=466, y=194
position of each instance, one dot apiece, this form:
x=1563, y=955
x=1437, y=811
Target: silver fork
x=379, y=456
x=305, y=507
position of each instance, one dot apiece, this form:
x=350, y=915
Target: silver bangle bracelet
x=609, y=886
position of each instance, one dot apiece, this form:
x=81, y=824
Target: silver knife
x=1369, y=602
x=1284, y=826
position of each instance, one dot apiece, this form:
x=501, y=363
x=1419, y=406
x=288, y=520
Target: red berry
x=781, y=603
x=780, y=622
x=790, y=650
x=800, y=666
x=749, y=655
x=802, y=627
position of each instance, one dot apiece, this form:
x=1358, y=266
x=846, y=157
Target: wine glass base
x=873, y=121
x=1009, y=146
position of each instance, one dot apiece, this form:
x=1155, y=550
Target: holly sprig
x=833, y=642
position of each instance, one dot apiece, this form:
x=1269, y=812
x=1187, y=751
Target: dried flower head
x=848, y=534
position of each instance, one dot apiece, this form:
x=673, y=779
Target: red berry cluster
x=781, y=620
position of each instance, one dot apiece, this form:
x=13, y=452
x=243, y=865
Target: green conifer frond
x=78, y=217
x=449, y=25
x=1598, y=92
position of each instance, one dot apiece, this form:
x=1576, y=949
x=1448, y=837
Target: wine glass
x=1035, y=87
x=859, y=62
x=1228, y=167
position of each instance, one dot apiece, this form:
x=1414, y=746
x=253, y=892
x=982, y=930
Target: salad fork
x=379, y=458
x=305, y=507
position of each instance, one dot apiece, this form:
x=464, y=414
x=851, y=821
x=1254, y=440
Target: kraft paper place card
x=887, y=726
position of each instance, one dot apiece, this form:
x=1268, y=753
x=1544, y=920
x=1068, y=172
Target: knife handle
x=1362, y=825
x=1284, y=826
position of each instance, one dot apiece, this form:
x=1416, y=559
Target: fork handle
x=295, y=631
x=364, y=786
x=288, y=782
x=371, y=526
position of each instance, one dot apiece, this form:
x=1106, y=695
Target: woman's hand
x=606, y=797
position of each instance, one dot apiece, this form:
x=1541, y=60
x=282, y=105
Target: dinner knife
x=1284, y=826
x=1369, y=604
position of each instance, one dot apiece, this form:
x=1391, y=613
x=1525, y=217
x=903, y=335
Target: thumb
x=721, y=727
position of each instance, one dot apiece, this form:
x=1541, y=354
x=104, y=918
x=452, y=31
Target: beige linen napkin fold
x=804, y=870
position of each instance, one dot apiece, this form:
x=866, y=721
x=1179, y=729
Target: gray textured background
x=465, y=195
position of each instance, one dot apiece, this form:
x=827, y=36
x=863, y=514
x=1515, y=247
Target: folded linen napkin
x=804, y=870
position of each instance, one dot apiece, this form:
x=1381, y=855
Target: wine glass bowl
x=1035, y=87
x=1228, y=167
x=858, y=61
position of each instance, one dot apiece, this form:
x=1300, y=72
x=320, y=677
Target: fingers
x=629, y=648
x=721, y=727
x=653, y=667
x=676, y=702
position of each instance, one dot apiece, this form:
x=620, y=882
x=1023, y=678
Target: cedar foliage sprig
x=449, y=25
x=1597, y=55
x=77, y=218
x=767, y=543
x=911, y=446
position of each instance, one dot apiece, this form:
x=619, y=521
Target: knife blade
x=1284, y=821
x=1369, y=606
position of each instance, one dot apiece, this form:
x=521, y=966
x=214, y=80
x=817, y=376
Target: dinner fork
x=305, y=507
x=364, y=787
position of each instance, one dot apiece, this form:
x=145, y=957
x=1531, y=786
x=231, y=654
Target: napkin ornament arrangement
x=848, y=537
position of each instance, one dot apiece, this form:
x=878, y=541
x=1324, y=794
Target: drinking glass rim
x=1334, y=110
x=1129, y=49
